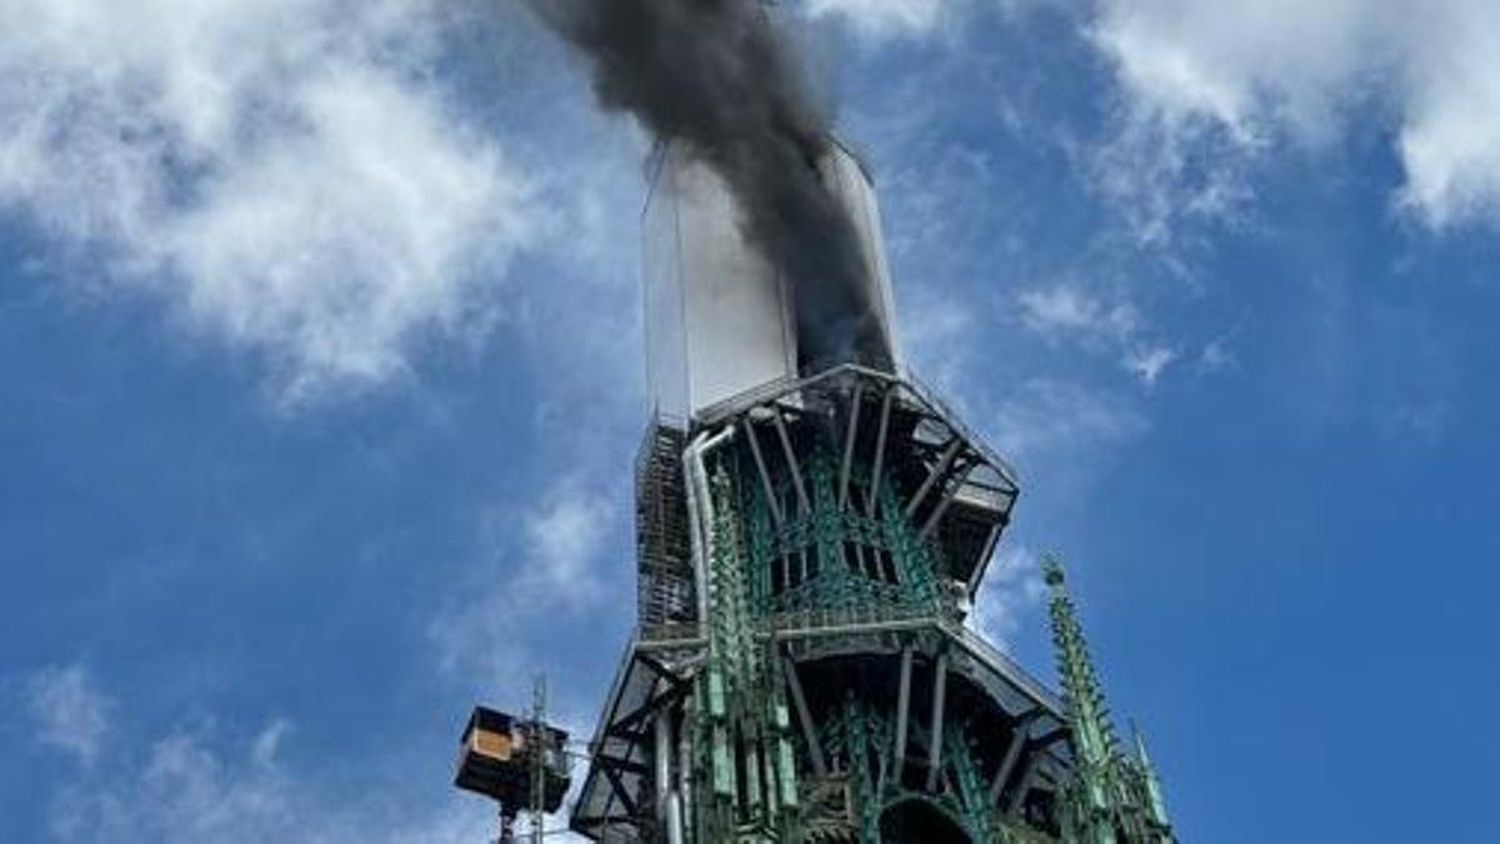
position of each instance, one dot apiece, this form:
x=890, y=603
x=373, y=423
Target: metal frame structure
x=802, y=669
x=810, y=542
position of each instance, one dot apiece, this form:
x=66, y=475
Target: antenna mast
x=538, y=759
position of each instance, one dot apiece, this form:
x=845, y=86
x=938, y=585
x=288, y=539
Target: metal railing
x=802, y=624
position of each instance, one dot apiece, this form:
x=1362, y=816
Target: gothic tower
x=810, y=542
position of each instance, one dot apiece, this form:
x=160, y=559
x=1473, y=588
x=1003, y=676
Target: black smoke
x=717, y=77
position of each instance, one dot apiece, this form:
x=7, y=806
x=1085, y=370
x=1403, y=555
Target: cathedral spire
x=1094, y=734
x=1117, y=798
x=1156, y=804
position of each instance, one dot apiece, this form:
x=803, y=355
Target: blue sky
x=320, y=384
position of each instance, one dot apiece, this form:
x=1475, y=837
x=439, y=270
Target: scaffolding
x=665, y=590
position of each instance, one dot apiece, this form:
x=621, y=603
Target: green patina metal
x=1115, y=797
x=832, y=557
x=968, y=786
x=1155, y=801
x=747, y=731
x=783, y=555
x=826, y=556
x=858, y=738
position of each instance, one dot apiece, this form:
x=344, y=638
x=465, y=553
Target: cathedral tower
x=811, y=536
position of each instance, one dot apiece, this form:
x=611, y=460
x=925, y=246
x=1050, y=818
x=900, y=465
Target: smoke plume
x=717, y=77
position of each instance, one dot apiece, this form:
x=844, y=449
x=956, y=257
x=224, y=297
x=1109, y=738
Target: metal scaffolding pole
x=903, y=708
x=939, y=695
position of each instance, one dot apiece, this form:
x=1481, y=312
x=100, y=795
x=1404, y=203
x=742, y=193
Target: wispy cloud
x=543, y=564
x=214, y=780
x=568, y=533
x=1011, y=594
x=884, y=18
x=1067, y=312
x=1216, y=356
x=1148, y=363
x=1208, y=94
x=289, y=175
x=187, y=786
x=1233, y=79
x=1163, y=176
x=1047, y=418
x=68, y=711
x=268, y=743
x=1065, y=308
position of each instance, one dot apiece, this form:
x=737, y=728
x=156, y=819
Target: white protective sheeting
x=719, y=318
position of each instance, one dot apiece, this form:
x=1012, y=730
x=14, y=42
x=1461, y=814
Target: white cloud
x=1066, y=311
x=268, y=743
x=568, y=533
x=1238, y=64
x=187, y=792
x=1450, y=141
x=1161, y=174
x=1262, y=70
x=938, y=332
x=1216, y=356
x=188, y=787
x=1046, y=418
x=68, y=711
x=285, y=173
x=884, y=18
x=496, y=625
x=1148, y=363
x=1064, y=308
x=1011, y=594
x=204, y=783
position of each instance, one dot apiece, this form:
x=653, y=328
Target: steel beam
x=860, y=562
x=631, y=727
x=939, y=511
x=1046, y=740
x=849, y=438
x=1012, y=755
x=903, y=707
x=804, y=717
x=629, y=766
x=670, y=645
x=989, y=550
x=939, y=698
x=873, y=497
x=661, y=670
x=1018, y=796
x=791, y=462
x=949, y=455
x=674, y=819
x=685, y=775
x=765, y=474
x=617, y=785
x=852, y=629
x=662, y=762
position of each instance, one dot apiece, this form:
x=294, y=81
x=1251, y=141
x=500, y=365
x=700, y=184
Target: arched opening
x=919, y=822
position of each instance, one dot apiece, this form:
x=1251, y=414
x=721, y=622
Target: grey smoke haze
x=719, y=78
